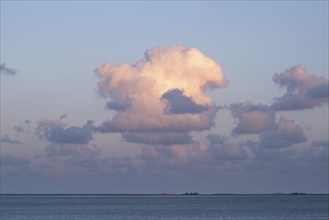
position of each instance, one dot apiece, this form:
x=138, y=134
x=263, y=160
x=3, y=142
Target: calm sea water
x=244, y=207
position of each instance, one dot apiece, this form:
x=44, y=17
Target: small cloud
x=54, y=132
x=63, y=116
x=7, y=140
x=303, y=90
x=18, y=129
x=117, y=106
x=4, y=70
x=252, y=118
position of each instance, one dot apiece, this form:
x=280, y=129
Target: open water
x=219, y=207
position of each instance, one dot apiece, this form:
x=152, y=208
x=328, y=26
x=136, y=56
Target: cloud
x=207, y=152
x=121, y=165
x=216, y=139
x=303, y=91
x=222, y=150
x=71, y=143
x=285, y=134
x=178, y=103
x=252, y=118
x=158, y=138
x=84, y=156
x=7, y=140
x=117, y=106
x=18, y=129
x=4, y=70
x=13, y=160
x=318, y=92
x=70, y=149
x=63, y=116
x=320, y=143
x=145, y=95
x=160, y=158
x=55, y=132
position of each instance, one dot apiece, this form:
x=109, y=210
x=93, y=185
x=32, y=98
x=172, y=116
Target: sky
x=164, y=97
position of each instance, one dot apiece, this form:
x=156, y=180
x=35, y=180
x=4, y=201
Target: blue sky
x=49, y=92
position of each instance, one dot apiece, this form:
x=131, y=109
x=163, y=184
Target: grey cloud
x=262, y=154
x=72, y=135
x=284, y=135
x=291, y=102
x=13, y=160
x=6, y=70
x=318, y=91
x=249, y=143
x=18, y=129
x=117, y=106
x=303, y=90
x=178, y=103
x=7, y=140
x=63, y=116
x=158, y=138
x=215, y=139
x=320, y=143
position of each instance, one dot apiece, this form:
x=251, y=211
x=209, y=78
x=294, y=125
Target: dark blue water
x=244, y=207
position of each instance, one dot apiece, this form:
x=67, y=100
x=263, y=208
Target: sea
x=143, y=207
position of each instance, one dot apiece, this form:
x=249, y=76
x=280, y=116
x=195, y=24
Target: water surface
x=99, y=207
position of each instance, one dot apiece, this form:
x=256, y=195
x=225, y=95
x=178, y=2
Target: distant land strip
x=145, y=194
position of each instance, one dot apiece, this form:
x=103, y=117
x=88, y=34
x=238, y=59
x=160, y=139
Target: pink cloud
x=137, y=92
x=252, y=118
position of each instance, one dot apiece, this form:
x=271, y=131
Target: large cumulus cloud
x=146, y=95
